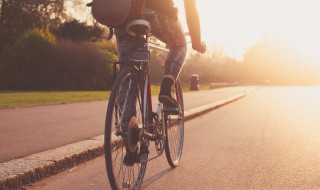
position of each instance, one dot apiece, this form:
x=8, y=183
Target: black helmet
x=114, y=13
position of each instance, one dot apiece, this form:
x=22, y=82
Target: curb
x=16, y=173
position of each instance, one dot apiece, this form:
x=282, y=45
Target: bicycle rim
x=121, y=176
x=175, y=131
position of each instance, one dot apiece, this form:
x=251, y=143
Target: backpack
x=116, y=13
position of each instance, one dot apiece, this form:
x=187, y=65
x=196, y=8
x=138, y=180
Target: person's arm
x=193, y=23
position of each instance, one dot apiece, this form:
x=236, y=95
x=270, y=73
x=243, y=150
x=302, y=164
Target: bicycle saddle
x=138, y=27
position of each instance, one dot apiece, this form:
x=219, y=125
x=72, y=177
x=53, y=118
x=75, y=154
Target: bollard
x=194, y=82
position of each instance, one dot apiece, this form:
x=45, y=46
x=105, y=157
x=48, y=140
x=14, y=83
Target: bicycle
x=131, y=125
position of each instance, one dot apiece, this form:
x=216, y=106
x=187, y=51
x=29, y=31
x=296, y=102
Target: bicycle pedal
x=174, y=118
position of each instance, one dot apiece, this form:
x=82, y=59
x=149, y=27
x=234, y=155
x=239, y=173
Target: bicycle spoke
x=120, y=169
x=124, y=106
x=117, y=154
x=132, y=175
x=134, y=179
x=123, y=176
x=128, y=179
x=125, y=102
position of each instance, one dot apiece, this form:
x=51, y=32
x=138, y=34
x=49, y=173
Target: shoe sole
x=167, y=101
x=132, y=161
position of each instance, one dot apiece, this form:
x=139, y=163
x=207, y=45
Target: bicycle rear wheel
x=125, y=103
x=174, y=124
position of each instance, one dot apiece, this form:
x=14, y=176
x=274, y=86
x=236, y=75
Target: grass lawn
x=17, y=99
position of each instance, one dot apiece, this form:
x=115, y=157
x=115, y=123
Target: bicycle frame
x=143, y=69
x=147, y=93
x=131, y=123
x=140, y=69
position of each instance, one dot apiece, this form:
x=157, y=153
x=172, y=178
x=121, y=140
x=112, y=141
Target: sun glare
x=236, y=25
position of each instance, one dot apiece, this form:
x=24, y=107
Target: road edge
x=16, y=173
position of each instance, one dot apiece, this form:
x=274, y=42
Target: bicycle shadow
x=155, y=177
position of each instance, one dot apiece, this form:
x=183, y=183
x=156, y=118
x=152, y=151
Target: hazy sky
x=237, y=24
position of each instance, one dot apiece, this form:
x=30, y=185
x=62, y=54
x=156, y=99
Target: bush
x=77, y=31
x=37, y=62
x=24, y=64
x=80, y=66
x=108, y=49
x=156, y=66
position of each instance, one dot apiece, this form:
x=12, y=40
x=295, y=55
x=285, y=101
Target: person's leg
x=169, y=31
x=126, y=45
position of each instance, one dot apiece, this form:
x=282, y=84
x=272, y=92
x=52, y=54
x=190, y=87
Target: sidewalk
x=26, y=131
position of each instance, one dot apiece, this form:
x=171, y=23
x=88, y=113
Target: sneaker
x=165, y=96
x=130, y=158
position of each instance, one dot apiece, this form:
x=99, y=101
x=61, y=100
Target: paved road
x=268, y=140
x=25, y=131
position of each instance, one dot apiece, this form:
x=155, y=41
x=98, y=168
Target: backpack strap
x=111, y=32
x=89, y=4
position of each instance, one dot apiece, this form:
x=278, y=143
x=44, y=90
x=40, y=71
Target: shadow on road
x=155, y=177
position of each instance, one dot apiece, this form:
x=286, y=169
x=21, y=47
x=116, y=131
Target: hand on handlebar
x=199, y=47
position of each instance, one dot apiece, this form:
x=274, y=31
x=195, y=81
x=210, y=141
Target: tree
x=76, y=31
x=17, y=16
x=37, y=62
x=211, y=67
x=271, y=60
x=25, y=64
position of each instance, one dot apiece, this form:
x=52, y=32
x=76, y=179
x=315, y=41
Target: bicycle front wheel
x=124, y=104
x=174, y=124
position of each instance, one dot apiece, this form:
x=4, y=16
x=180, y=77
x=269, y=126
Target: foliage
x=17, y=16
x=23, y=63
x=37, y=62
x=81, y=66
x=157, y=66
x=212, y=67
x=272, y=61
x=35, y=59
x=36, y=35
x=108, y=49
x=269, y=61
x=76, y=31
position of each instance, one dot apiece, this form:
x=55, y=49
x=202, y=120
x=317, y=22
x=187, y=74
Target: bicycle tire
x=173, y=154
x=119, y=175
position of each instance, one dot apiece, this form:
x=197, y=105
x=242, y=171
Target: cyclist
x=163, y=17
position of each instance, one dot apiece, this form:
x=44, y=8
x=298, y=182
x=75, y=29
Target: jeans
x=165, y=29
